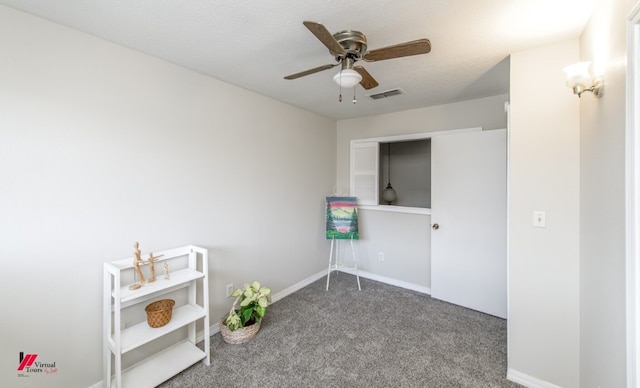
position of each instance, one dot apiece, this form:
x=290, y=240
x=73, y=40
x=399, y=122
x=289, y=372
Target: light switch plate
x=539, y=219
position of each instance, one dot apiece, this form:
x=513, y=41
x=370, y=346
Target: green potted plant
x=242, y=323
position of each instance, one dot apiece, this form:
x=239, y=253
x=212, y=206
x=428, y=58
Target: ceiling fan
x=349, y=47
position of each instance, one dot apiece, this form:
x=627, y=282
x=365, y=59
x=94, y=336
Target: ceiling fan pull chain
x=354, y=95
x=340, y=87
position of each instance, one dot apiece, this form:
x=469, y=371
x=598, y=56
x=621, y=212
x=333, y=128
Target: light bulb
x=578, y=74
x=389, y=194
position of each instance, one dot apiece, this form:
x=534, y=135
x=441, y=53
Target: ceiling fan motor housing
x=353, y=42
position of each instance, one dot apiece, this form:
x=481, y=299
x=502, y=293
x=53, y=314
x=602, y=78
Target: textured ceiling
x=254, y=43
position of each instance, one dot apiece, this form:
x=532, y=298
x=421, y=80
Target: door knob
x=435, y=226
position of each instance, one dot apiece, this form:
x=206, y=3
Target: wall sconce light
x=579, y=79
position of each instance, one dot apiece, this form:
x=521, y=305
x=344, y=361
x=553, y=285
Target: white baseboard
x=390, y=281
x=215, y=328
x=528, y=381
x=302, y=284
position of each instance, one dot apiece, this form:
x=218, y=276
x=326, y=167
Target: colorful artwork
x=342, y=218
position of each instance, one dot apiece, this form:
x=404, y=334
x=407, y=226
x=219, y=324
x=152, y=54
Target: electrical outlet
x=381, y=256
x=539, y=219
x=229, y=289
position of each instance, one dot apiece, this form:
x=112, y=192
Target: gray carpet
x=382, y=336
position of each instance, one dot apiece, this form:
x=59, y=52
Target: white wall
x=405, y=238
x=544, y=175
x=101, y=146
x=602, y=201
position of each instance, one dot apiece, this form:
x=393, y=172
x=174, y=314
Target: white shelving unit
x=120, y=339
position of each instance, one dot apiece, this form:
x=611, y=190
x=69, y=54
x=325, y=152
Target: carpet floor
x=382, y=336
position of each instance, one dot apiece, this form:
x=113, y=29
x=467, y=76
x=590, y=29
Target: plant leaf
x=233, y=322
x=255, y=285
x=237, y=292
x=246, y=315
x=261, y=311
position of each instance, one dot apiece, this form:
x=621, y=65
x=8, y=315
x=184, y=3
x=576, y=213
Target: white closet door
x=469, y=220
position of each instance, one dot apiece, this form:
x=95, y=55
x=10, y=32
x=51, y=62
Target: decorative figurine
x=151, y=260
x=137, y=260
x=165, y=266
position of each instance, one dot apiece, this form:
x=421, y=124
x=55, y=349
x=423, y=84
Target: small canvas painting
x=342, y=218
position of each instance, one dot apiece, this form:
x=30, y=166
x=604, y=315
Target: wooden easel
x=339, y=264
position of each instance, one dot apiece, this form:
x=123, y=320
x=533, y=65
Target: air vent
x=388, y=93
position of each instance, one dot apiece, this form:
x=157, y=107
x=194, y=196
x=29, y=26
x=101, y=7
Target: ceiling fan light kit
x=349, y=46
x=347, y=78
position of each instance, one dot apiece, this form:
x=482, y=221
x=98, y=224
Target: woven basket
x=238, y=336
x=159, y=312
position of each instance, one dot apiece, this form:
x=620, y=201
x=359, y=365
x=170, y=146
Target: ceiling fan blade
x=310, y=71
x=325, y=37
x=415, y=47
x=368, y=82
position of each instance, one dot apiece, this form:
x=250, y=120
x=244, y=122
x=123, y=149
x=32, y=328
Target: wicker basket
x=238, y=336
x=159, y=312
